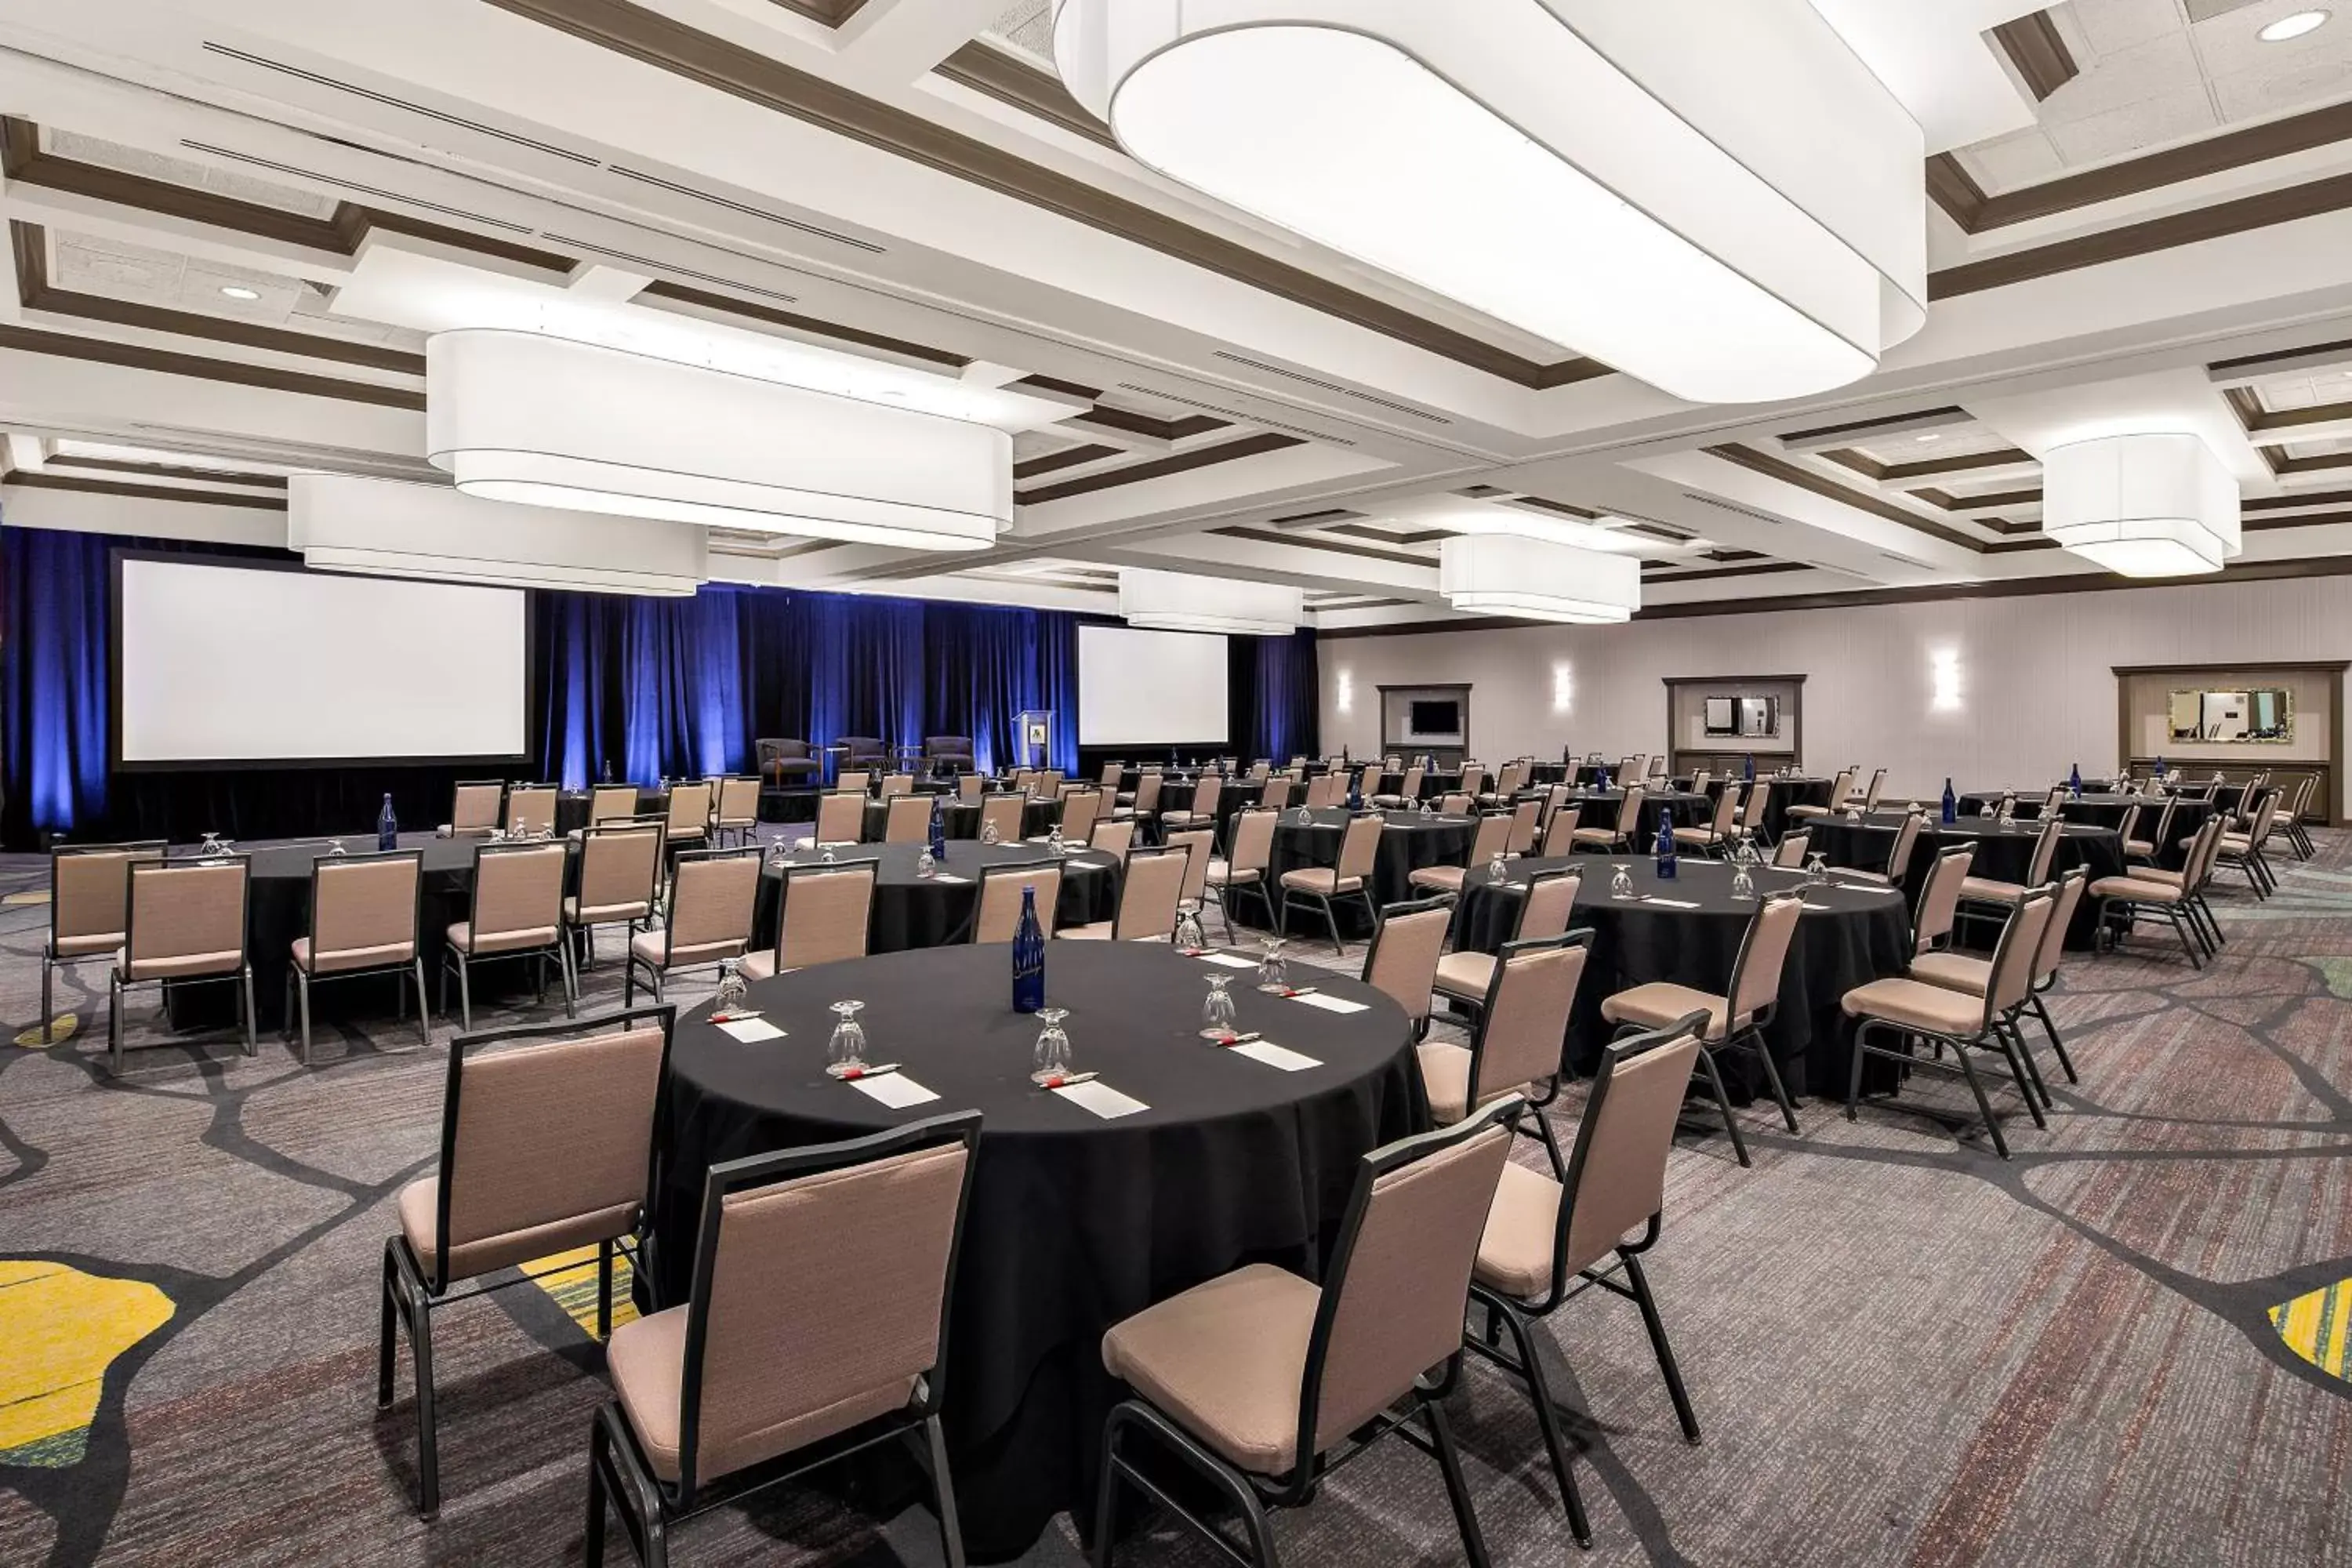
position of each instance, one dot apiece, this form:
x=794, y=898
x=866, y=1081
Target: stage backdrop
x=651, y=687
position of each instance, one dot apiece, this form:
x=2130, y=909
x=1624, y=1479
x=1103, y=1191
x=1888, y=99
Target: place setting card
x=1228, y=960
x=748, y=1027
x=1328, y=1003
x=1091, y=1094
x=1657, y=902
x=1274, y=1056
x=891, y=1087
x=950, y=878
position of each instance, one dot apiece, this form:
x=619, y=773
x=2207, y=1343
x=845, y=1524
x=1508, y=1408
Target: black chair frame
x=242, y=977
x=300, y=981
x=560, y=950
x=1330, y=914
x=158, y=848
x=1380, y=931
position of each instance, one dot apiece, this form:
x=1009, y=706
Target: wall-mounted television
x=1428, y=716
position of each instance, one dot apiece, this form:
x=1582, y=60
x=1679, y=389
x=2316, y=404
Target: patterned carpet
x=2126, y=1345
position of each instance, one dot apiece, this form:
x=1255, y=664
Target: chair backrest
x=1392, y=763
x=859, y=780
x=1473, y=775
x=2259, y=827
x=909, y=819
x=1840, y=787
x=612, y=803
x=1759, y=794
x=821, y=1275
x=1509, y=780
x=187, y=917
x=519, y=891
x=363, y=908
x=2162, y=836
x=2062, y=915
x=89, y=888
x=531, y=807
x=1763, y=953
x=1629, y=811
x=1792, y=850
x=841, y=817
x=620, y=867
x=1260, y=768
x=1617, y=1170
x=1412, y=777
x=1456, y=804
x=1524, y=1025
x=710, y=903
x=2014, y=957
x=1204, y=795
x=2198, y=870
x=896, y=783
x=859, y=748
x=2046, y=849
x=999, y=913
x=1940, y=898
x=1525, y=817
x=475, y=807
x=2129, y=826
x=1200, y=845
x=1401, y=962
x=1877, y=785
x=1560, y=833
x=1147, y=794
x=542, y=1124
x=1906, y=839
x=1700, y=780
x=947, y=745
x=1007, y=811
x=738, y=800
x=1492, y=837
x=1398, y=1285
x=825, y=912
x=1726, y=810
x=1277, y=794
x=1111, y=775
x=1550, y=899
x=1252, y=838
x=1361, y=845
x=1114, y=835
x=969, y=788
x=2055, y=802
x=1147, y=897
x=1079, y=809
x=690, y=807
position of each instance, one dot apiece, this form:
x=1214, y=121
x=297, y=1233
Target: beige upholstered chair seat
x=1099, y=931
x=2237, y=840
x=1699, y=837
x=2136, y=889
x=1661, y=1002
x=1515, y=1252
x=1443, y=879
x=1922, y=1006
x=1466, y=974
x=461, y=937
x=1225, y=1359
x=604, y=914
x=419, y=1223
x=648, y=946
x=389, y=953
x=1604, y=836
x=1985, y=890
x=2156, y=874
x=1807, y=811
x=1320, y=879
x=646, y=1361
x=2138, y=846
x=758, y=966
x=88, y=946
x=1220, y=874
x=1953, y=972
x=1446, y=1077
x=178, y=967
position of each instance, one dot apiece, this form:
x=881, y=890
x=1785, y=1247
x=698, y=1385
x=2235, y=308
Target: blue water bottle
x=1951, y=803
x=1354, y=792
x=939, y=830
x=1600, y=779
x=387, y=827
x=1028, y=957
x=2074, y=780
x=1665, y=846
x=1749, y=776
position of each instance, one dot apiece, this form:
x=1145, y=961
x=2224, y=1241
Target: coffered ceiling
x=201, y=198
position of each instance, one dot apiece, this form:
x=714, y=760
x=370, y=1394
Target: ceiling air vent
x=762, y=214
x=664, y=268
x=390, y=102
x=340, y=183
x=1317, y=382
x=1735, y=507
x=1236, y=414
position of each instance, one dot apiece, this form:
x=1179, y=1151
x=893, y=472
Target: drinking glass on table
x=1498, y=870
x=1817, y=871
x=1189, y=936
x=844, y=1053
x=1273, y=973
x=1217, y=1010
x=732, y=988
x=1621, y=883
x=1050, y=1056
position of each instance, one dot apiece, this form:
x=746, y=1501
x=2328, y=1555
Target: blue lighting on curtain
x=58, y=678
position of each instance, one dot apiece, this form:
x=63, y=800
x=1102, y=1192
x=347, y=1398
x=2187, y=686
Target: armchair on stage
x=786, y=763
x=948, y=753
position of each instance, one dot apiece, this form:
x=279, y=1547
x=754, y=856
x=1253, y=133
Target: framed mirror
x=1750, y=717
x=2261, y=715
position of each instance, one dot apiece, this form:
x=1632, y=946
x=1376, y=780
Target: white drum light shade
x=1509, y=574
x=1177, y=601
x=517, y=416
x=1640, y=182
x=388, y=529
x=2142, y=506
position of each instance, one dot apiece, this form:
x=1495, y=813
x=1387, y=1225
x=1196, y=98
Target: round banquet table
x=1037, y=818
x=573, y=806
x=1409, y=840
x=2104, y=810
x=1432, y=782
x=2003, y=855
x=1601, y=809
x=1855, y=935
x=1233, y=796
x=1075, y=1223
x=909, y=912
x=1785, y=792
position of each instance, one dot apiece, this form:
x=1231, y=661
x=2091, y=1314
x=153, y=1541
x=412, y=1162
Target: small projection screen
x=1150, y=688
x=220, y=664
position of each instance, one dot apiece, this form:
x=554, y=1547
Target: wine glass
x=926, y=867
x=1189, y=936
x=1817, y=869
x=1984, y=810
x=1743, y=884
x=1273, y=975
x=1051, y=1055
x=988, y=834
x=780, y=850
x=824, y=857
x=1217, y=1010
x=732, y=989
x=335, y=847
x=212, y=845
x=1621, y=883
x=844, y=1053
x=1498, y=870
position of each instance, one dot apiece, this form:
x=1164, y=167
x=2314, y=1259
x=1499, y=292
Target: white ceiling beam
x=93, y=511
x=136, y=225
x=902, y=40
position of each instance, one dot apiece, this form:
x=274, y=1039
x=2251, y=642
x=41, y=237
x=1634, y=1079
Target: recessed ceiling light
x=2293, y=27
x=1931, y=436
x=238, y=291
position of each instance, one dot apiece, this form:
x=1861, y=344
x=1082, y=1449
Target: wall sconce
x=1943, y=668
x=1563, y=687
x=1346, y=691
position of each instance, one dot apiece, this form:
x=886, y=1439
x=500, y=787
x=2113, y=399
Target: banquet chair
x=1200, y=846
x=1711, y=836
x=711, y=901
x=546, y=1146
x=688, y=811
x=1525, y=818
x=620, y=884
x=1456, y=804
x=1113, y=836
x=1940, y=900
x=1912, y=1010
x=2055, y=802
x=1144, y=805
x=1629, y=769
x=1700, y=780
x=1790, y=852
x=530, y=807
x=1401, y=961
x=364, y=914
x=1899, y=853
x=1752, y=810
x=1515, y=1046
x=895, y=785
x=1546, y=902
x=475, y=807
x=857, y=749
x=612, y=803
x=736, y=811
x=2245, y=850
x=1547, y=1237
x=1006, y=814
x=997, y=915
x=1623, y=835
x=1407, y=791
x=184, y=921
x=1112, y=772
x=1142, y=772
x=1492, y=837
x=1991, y=892
x=2149, y=848
x=1203, y=811
x=1560, y=833
x=90, y=902
x=1473, y=775
x=2290, y=819
x=908, y=819
x=1966, y=972
x=1262, y=769
x=1392, y=763
x=1277, y=794
x=1049, y=784
x=1839, y=787
x=1250, y=850
x=1358, y=848
x=817, y=1329
x=1737, y=1016
x=969, y=787
x=2178, y=896
x=1146, y=899
x=1261, y=1384
x=517, y=913
x=1868, y=800
x=840, y=817
x=821, y=918
x=857, y=782
x=1079, y=809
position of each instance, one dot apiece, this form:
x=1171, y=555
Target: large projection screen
x=1150, y=688
x=262, y=666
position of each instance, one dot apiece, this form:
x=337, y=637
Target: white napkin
x=750, y=1030
x=1229, y=959
x=1274, y=1056
x=895, y=1089
x=1330, y=1004
x=1672, y=903
x=1100, y=1097
x=949, y=876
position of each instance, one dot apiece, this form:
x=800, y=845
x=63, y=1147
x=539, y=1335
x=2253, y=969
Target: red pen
x=851, y=1075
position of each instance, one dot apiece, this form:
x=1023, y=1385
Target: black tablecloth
x=1409, y=840
x=1783, y=794
x=2003, y=855
x=2104, y=810
x=1075, y=1223
x=1857, y=937
x=1601, y=809
x=910, y=912
x=963, y=818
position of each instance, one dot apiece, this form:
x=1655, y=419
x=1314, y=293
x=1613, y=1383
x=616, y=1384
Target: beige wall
x=2033, y=688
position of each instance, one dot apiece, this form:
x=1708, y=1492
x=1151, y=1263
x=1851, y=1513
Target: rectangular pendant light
x=1509, y=574
x=2155, y=505
x=1180, y=602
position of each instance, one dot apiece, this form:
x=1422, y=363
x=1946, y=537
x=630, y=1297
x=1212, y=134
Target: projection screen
x=1150, y=688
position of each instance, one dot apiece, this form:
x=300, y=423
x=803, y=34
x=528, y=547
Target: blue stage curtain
x=57, y=676
x=1275, y=696
x=985, y=666
x=868, y=678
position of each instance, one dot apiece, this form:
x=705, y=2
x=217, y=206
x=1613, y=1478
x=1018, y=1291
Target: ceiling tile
x=2161, y=68
x=2113, y=26
x=2206, y=10
x=2300, y=85
x=2135, y=127
x=81, y=149
x=2007, y=162
x=1028, y=28
x=113, y=267
x=2232, y=43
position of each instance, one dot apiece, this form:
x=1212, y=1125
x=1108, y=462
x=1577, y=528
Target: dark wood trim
x=43, y=480
x=1861, y=428
x=2331, y=773
x=1320, y=515
x=358, y=222
x=2234, y=666
x=2035, y=47
x=1768, y=569
x=1130, y=423
x=2222, y=219
x=792, y=321
x=1068, y=457
x=1328, y=546
x=1010, y=79
x=2251, y=362
x=168, y=471
x=667, y=44
x=99, y=351
x=1159, y=468
x=1380, y=536
x=2288, y=502
x=1952, y=187
x=1793, y=749
x=1951, y=502
x=1871, y=467
x=1538, y=503
x=830, y=13
x=1829, y=490
x=2282, y=464
x=1067, y=388
x=2281, y=423
x=2246, y=404
x=2011, y=546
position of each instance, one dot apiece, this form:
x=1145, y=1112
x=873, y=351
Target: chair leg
x=388, y=1334
x=245, y=994
x=49, y=1015
x=464, y=994
x=303, y=986
x=423, y=1019
x=604, y=1292
x=1501, y=1315
x=429, y=1449
x=1655, y=1325
x=1772, y=1076
x=1976, y=1086
x=1722, y=1103
x=2049, y=1027
x=1331, y=918
x=1457, y=1489
x=571, y=981
x=2022, y=1068
x=943, y=1493
x=286, y=1010
x=114, y=1021
x=592, y=1544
